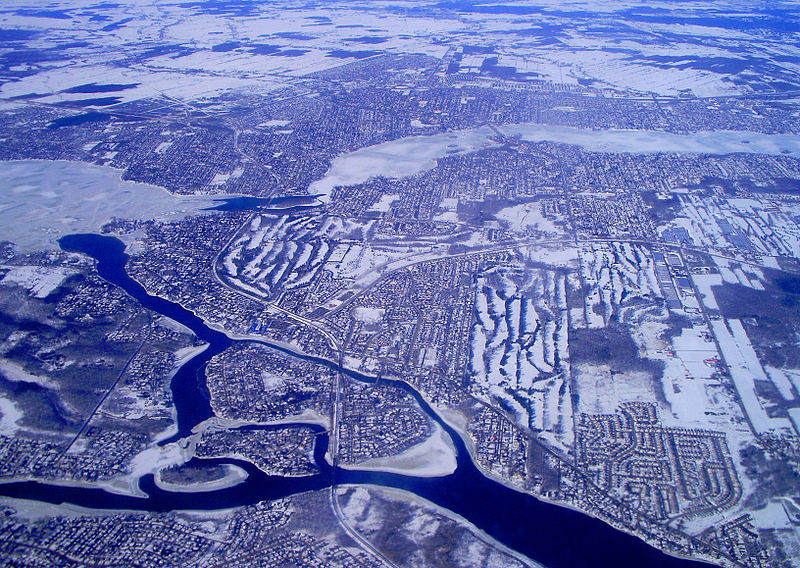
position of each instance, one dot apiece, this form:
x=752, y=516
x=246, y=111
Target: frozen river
x=414, y=154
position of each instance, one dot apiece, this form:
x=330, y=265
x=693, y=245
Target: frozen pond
x=43, y=200
x=414, y=154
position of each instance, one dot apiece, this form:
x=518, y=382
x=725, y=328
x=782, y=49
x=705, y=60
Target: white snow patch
x=366, y=314
x=527, y=216
x=16, y=373
x=10, y=414
x=384, y=203
x=40, y=281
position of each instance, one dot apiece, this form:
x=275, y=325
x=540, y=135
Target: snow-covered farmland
x=745, y=369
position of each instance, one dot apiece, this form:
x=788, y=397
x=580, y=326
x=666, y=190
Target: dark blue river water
x=554, y=536
x=282, y=205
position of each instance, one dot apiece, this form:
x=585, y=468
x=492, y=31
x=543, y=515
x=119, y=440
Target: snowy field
x=745, y=369
x=213, y=52
x=10, y=415
x=210, y=53
x=528, y=218
x=39, y=281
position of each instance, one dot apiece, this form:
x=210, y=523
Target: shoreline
x=435, y=457
x=481, y=535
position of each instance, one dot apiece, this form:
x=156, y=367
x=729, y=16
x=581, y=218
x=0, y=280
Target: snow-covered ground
x=648, y=142
x=703, y=283
x=40, y=281
x=384, y=203
x=423, y=526
x=771, y=231
x=10, y=414
x=284, y=253
x=367, y=314
x=14, y=372
x=616, y=271
x=414, y=154
x=527, y=217
x=150, y=460
x=196, y=68
x=745, y=369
